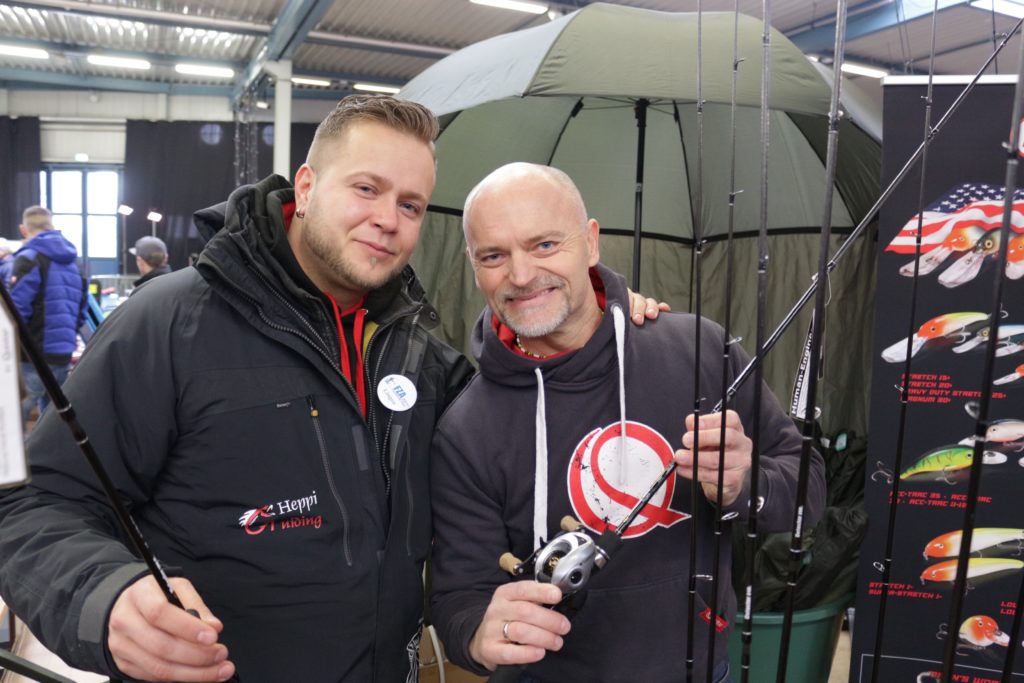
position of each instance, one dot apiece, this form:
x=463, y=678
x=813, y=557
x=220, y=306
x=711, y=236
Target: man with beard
x=538, y=435
x=267, y=415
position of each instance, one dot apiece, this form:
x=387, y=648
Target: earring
x=300, y=214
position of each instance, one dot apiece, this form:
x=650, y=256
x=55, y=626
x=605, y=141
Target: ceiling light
x=26, y=52
x=154, y=216
x=517, y=5
x=862, y=70
x=261, y=104
x=317, y=82
x=205, y=70
x=125, y=210
x=1007, y=7
x=373, y=87
x=120, y=62
x=81, y=157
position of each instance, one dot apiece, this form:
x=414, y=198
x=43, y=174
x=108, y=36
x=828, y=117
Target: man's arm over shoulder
x=62, y=558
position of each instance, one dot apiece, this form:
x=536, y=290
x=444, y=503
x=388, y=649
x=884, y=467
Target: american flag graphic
x=963, y=205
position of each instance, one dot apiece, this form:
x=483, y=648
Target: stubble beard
x=342, y=269
x=538, y=328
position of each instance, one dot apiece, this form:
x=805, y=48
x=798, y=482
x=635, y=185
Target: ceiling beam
x=29, y=79
x=82, y=51
x=148, y=16
x=822, y=39
x=294, y=23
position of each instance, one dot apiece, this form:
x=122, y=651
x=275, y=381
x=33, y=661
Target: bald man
x=537, y=435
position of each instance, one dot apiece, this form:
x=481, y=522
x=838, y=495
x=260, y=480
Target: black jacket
x=633, y=626
x=214, y=398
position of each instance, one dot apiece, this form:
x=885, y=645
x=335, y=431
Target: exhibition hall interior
x=307, y=373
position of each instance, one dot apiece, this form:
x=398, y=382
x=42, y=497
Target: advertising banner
x=962, y=215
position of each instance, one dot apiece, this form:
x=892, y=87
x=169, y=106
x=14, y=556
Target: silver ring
x=504, y=631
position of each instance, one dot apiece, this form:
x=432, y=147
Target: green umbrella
x=566, y=94
x=569, y=94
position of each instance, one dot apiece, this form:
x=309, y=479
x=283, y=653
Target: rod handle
x=509, y=562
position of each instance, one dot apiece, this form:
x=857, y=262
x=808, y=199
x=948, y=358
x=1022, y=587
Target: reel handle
x=510, y=563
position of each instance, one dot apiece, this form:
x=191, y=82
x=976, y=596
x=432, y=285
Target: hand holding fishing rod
x=151, y=599
x=516, y=629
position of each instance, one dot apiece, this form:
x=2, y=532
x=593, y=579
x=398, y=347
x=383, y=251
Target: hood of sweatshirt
x=53, y=245
x=577, y=370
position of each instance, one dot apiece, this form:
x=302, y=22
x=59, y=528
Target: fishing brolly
x=573, y=93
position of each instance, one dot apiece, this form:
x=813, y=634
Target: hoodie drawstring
x=540, y=475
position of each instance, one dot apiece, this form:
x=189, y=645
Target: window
x=84, y=202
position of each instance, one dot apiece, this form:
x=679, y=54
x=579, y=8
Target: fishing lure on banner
x=939, y=332
x=948, y=545
x=977, y=567
x=980, y=631
x=1015, y=377
x=967, y=267
x=1009, y=340
x=1015, y=258
x=1003, y=435
x=949, y=463
x=960, y=239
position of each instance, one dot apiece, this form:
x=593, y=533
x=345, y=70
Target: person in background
x=150, y=258
x=276, y=455
x=49, y=293
x=537, y=435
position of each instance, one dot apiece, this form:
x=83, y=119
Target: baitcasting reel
x=567, y=561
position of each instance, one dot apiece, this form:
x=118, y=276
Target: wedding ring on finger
x=504, y=631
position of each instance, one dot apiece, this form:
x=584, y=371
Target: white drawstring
x=620, y=351
x=540, y=476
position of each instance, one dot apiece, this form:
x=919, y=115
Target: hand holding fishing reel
x=567, y=561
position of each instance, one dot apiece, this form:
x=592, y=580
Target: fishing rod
x=861, y=226
x=982, y=422
x=750, y=540
x=698, y=259
x=67, y=413
x=876, y=660
x=817, y=332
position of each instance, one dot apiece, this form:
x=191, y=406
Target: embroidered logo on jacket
x=608, y=476
x=282, y=515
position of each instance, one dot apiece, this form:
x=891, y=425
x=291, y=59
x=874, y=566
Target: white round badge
x=397, y=393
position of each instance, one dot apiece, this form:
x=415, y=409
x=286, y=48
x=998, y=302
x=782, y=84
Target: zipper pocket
x=315, y=416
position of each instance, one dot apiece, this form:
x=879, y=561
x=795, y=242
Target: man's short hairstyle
x=400, y=115
x=37, y=218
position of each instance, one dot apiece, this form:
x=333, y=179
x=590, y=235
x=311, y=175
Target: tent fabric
x=561, y=58
x=667, y=270
x=568, y=94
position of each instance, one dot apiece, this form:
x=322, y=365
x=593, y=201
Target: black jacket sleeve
x=63, y=560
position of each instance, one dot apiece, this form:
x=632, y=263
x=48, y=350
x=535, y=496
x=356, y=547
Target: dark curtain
x=177, y=168
x=19, y=172
x=302, y=138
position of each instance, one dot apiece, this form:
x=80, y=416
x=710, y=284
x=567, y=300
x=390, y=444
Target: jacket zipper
x=315, y=416
x=374, y=378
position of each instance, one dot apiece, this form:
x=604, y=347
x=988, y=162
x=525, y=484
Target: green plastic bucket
x=812, y=643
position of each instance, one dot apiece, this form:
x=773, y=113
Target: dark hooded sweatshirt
x=215, y=398
x=633, y=626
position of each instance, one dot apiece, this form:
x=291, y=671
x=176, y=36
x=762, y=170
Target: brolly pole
x=640, y=110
